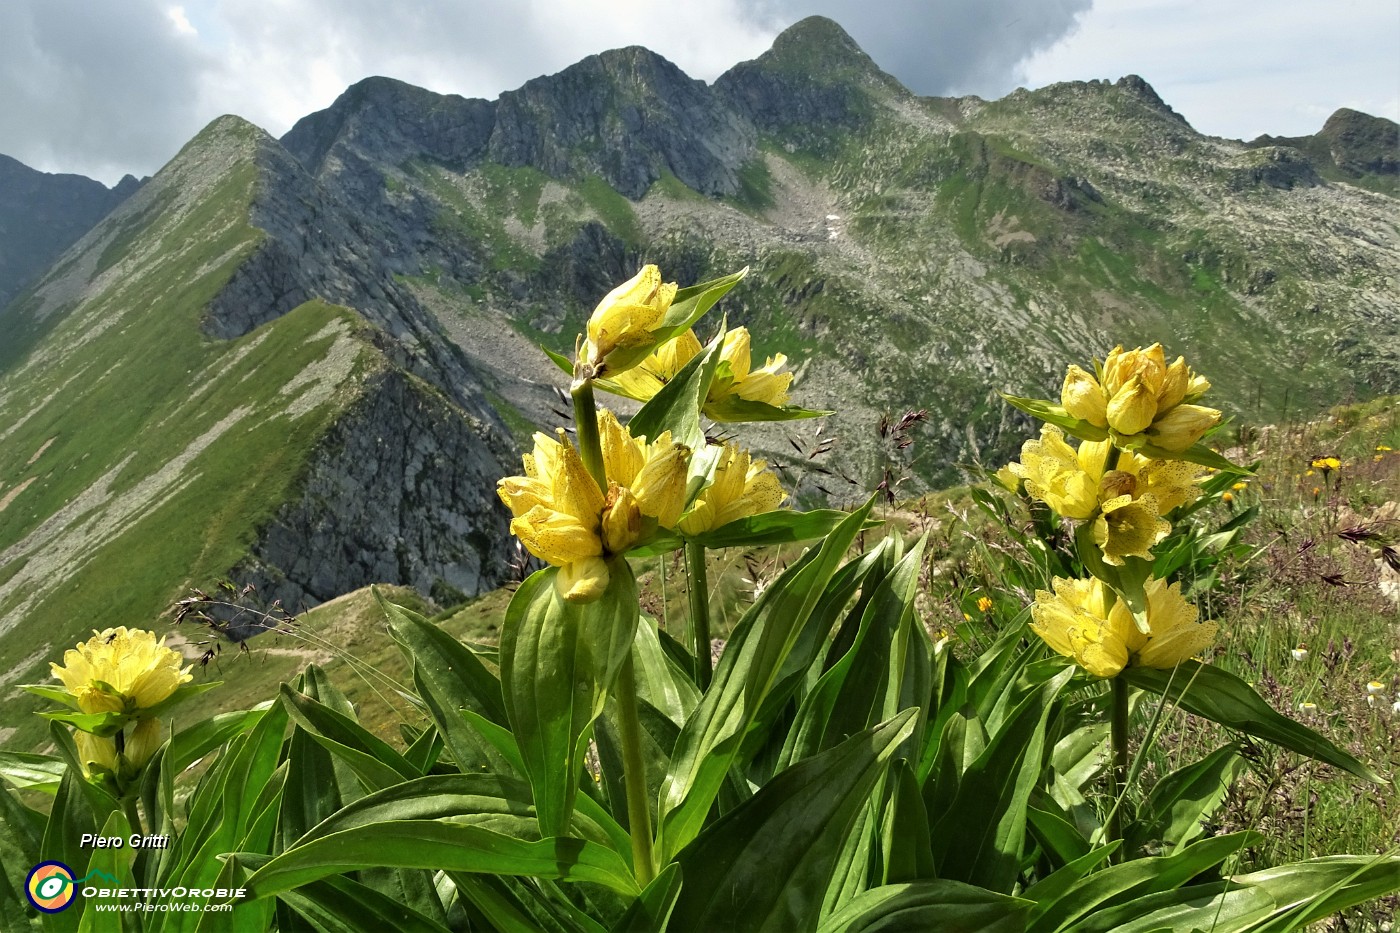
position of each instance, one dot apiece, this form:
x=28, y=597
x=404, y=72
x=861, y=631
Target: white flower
x=1307, y=708
x=1375, y=688
x=1299, y=654
x=1396, y=708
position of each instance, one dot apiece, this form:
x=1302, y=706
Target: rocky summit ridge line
x=303, y=362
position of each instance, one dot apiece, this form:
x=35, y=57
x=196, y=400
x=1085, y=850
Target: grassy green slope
x=139, y=456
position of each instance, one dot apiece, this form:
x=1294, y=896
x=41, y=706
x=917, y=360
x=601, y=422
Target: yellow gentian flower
x=564, y=518
x=740, y=487
x=1141, y=395
x=1063, y=478
x=626, y=318
x=138, y=671
x=767, y=384
x=1081, y=620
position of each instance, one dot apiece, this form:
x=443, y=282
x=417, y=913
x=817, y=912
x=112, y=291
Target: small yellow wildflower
x=1327, y=464
x=984, y=604
x=121, y=670
x=1317, y=492
x=1239, y=486
x=1383, y=448
x=1227, y=498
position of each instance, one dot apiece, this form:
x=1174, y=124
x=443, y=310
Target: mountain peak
x=818, y=49
x=1139, y=88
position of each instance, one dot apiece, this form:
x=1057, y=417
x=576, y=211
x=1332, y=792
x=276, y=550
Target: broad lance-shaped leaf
x=558, y=661
x=1174, y=812
x=780, y=526
x=1275, y=900
x=766, y=864
x=710, y=740
x=442, y=845
x=945, y=906
x=1222, y=697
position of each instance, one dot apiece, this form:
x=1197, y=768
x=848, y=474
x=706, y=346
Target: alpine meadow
x=785, y=503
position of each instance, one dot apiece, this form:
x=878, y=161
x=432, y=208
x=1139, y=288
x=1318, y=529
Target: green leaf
x=28, y=771
x=651, y=911
x=442, y=845
x=710, y=740
x=449, y=678
x=979, y=838
x=781, y=526
x=1054, y=414
x=732, y=408
x=765, y=864
x=104, y=724
x=376, y=762
x=57, y=694
x=1058, y=908
x=560, y=360
x=676, y=408
x=1173, y=813
x=114, y=863
x=1222, y=697
x=342, y=904
x=1197, y=453
x=558, y=662
x=1287, y=897
x=908, y=854
x=200, y=738
x=945, y=906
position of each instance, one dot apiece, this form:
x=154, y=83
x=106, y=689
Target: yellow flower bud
x=145, y=738
x=1083, y=397
x=1174, y=386
x=583, y=581
x=96, y=753
x=1132, y=407
x=627, y=317
x=765, y=384
x=1181, y=427
x=622, y=520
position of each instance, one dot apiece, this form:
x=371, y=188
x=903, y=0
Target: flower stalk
x=1118, y=769
x=634, y=773
x=698, y=586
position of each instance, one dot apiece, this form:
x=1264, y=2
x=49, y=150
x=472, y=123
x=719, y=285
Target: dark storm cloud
x=97, y=88
x=945, y=46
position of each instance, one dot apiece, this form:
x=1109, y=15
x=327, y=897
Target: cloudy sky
x=104, y=88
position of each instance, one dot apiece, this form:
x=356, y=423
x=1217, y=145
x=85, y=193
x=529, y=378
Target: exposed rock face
x=41, y=215
x=401, y=490
x=316, y=247
x=1353, y=144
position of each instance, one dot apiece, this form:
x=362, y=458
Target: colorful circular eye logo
x=50, y=887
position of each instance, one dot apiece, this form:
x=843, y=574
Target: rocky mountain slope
x=303, y=363
x=41, y=215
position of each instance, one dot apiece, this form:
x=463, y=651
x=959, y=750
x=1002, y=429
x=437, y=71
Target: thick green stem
x=590, y=446
x=634, y=775
x=1118, y=771
x=698, y=585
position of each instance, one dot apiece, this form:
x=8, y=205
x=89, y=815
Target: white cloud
x=107, y=88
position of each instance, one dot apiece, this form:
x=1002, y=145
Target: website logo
x=50, y=887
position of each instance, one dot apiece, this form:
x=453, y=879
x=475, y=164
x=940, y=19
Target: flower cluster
x=1137, y=395
x=129, y=674
x=1081, y=620
x=1119, y=487
x=562, y=516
